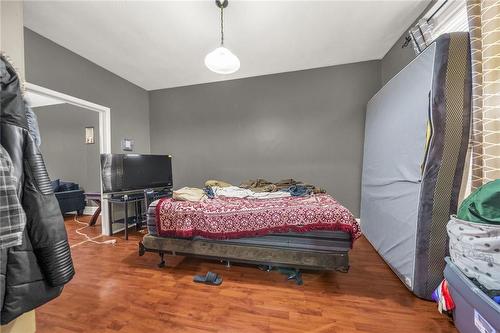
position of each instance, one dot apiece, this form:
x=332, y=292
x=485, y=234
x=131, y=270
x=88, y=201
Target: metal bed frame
x=277, y=250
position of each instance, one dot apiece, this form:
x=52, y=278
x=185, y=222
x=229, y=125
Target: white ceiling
x=162, y=44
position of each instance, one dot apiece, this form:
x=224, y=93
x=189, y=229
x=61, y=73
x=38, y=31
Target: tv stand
x=126, y=198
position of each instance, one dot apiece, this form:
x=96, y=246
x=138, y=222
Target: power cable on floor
x=87, y=237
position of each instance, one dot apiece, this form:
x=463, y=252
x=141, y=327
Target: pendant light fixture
x=221, y=60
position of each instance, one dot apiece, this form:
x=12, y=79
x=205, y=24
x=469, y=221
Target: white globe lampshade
x=222, y=61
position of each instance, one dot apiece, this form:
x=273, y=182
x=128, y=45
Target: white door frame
x=104, y=132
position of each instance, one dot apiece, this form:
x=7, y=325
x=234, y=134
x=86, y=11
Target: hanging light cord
x=221, y=25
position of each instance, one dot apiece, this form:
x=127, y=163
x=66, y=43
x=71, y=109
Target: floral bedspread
x=225, y=218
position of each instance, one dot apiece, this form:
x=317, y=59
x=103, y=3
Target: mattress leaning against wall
x=416, y=135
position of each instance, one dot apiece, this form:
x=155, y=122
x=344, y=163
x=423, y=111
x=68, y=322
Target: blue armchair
x=70, y=196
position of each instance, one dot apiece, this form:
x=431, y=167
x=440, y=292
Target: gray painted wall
x=307, y=125
x=66, y=155
x=54, y=67
x=397, y=57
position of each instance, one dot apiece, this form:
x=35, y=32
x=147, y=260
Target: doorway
x=43, y=97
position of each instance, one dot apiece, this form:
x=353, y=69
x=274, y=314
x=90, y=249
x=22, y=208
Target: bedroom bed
x=303, y=233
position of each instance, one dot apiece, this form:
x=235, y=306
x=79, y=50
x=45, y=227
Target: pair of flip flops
x=210, y=278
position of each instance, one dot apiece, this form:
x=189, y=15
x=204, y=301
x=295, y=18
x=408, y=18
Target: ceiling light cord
x=221, y=26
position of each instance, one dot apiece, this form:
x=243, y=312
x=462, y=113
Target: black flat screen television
x=128, y=172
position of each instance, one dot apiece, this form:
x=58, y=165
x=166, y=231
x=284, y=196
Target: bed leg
x=342, y=269
x=162, y=259
x=142, y=249
x=265, y=268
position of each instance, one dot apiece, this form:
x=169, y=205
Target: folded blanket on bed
x=225, y=218
x=189, y=194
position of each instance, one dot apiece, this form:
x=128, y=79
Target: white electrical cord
x=88, y=238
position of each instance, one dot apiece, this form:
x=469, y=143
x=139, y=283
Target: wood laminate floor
x=115, y=290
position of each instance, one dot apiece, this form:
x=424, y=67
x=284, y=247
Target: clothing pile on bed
x=250, y=189
x=255, y=208
x=475, y=238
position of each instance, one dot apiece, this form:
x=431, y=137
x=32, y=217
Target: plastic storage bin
x=474, y=311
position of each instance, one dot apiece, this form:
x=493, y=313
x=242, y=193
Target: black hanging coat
x=34, y=272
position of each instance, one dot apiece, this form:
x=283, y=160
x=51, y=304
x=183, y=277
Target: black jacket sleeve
x=45, y=223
